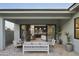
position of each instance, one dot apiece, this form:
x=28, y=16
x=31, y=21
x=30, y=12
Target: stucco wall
x=69, y=27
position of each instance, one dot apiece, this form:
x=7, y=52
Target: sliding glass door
x=35, y=32
x=25, y=32
x=50, y=32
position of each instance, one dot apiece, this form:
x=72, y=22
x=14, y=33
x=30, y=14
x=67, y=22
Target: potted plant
x=69, y=46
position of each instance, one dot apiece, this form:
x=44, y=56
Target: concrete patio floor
x=58, y=50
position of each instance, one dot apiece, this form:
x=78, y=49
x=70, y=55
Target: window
x=76, y=28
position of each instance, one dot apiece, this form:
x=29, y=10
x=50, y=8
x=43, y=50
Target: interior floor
x=37, y=40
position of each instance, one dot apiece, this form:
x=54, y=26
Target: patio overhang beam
x=37, y=18
x=36, y=12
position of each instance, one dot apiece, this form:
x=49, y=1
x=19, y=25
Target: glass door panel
x=50, y=32
x=25, y=32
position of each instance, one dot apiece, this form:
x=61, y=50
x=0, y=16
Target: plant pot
x=59, y=41
x=69, y=47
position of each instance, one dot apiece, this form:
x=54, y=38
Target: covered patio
x=58, y=17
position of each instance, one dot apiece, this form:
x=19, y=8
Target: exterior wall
x=2, y=34
x=69, y=27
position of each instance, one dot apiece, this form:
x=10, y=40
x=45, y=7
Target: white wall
x=69, y=27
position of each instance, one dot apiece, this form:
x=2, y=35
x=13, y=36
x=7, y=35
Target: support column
x=2, y=33
x=16, y=32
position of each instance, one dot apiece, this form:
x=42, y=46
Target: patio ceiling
x=47, y=14
x=19, y=15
